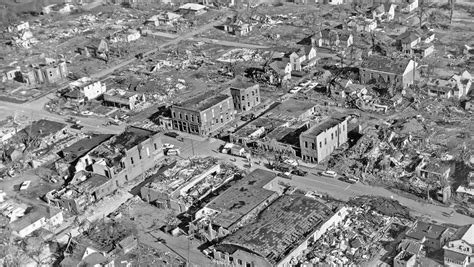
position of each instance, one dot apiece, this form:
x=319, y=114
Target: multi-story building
x=125, y=156
x=383, y=70
x=321, y=139
x=203, y=115
x=87, y=88
x=245, y=97
x=432, y=236
x=459, y=250
x=45, y=73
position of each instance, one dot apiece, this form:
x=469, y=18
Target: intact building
x=321, y=139
x=387, y=72
x=245, y=96
x=203, y=115
x=459, y=250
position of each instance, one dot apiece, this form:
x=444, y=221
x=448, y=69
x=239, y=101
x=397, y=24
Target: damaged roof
x=204, y=101
x=281, y=227
x=385, y=64
x=42, y=128
x=238, y=200
x=81, y=147
x=318, y=128
x=422, y=229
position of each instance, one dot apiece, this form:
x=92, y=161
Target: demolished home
x=124, y=156
x=187, y=182
x=245, y=95
x=203, y=115
x=42, y=132
x=38, y=217
x=280, y=234
x=387, y=72
x=84, y=189
x=459, y=250
x=322, y=138
x=235, y=206
x=85, y=89
x=123, y=99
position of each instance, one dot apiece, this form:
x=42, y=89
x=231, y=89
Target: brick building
x=203, y=115
x=245, y=96
x=125, y=156
x=321, y=139
x=387, y=72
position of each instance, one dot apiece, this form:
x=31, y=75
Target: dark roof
x=407, y=37
x=95, y=43
x=455, y=256
x=423, y=229
x=204, y=101
x=385, y=64
x=465, y=233
x=131, y=137
x=91, y=183
x=238, y=200
x=315, y=130
x=42, y=128
x=281, y=227
x=35, y=214
x=410, y=246
x=83, y=146
x=242, y=83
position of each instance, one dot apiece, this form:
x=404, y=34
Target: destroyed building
x=321, y=139
x=85, y=89
x=123, y=99
x=235, y=206
x=280, y=234
x=125, y=156
x=204, y=114
x=385, y=72
x=184, y=185
x=84, y=189
x=36, y=218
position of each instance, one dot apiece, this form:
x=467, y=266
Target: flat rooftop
x=287, y=135
x=323, y=126
x=204, y=101
x=81, y=147
x=241, y=83
x=281, y=227
x=42, y=128
x=241, y=198
x=290, y=109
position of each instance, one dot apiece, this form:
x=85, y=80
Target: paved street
x=315, y=182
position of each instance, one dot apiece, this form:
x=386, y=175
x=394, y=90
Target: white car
x=168, y=146
x=25, y=185
x=328, y=173
x=291, y=162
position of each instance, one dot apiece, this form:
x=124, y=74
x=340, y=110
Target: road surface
x=194, y=145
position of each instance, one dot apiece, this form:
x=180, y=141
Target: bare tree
x=451, y=10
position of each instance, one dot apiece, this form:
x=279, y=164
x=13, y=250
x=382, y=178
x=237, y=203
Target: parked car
x=25, y=185
x=168, y=146
x=73, y=120
x=173, y=152
x=291, y=162
x=350, y=180
x=77, y=126
x=172, y=134
x=448, y=214
x=329, y=173
x=299, y=172
x=286, y=175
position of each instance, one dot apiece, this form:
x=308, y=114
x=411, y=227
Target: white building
x=90, y=89
x=39, y=217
